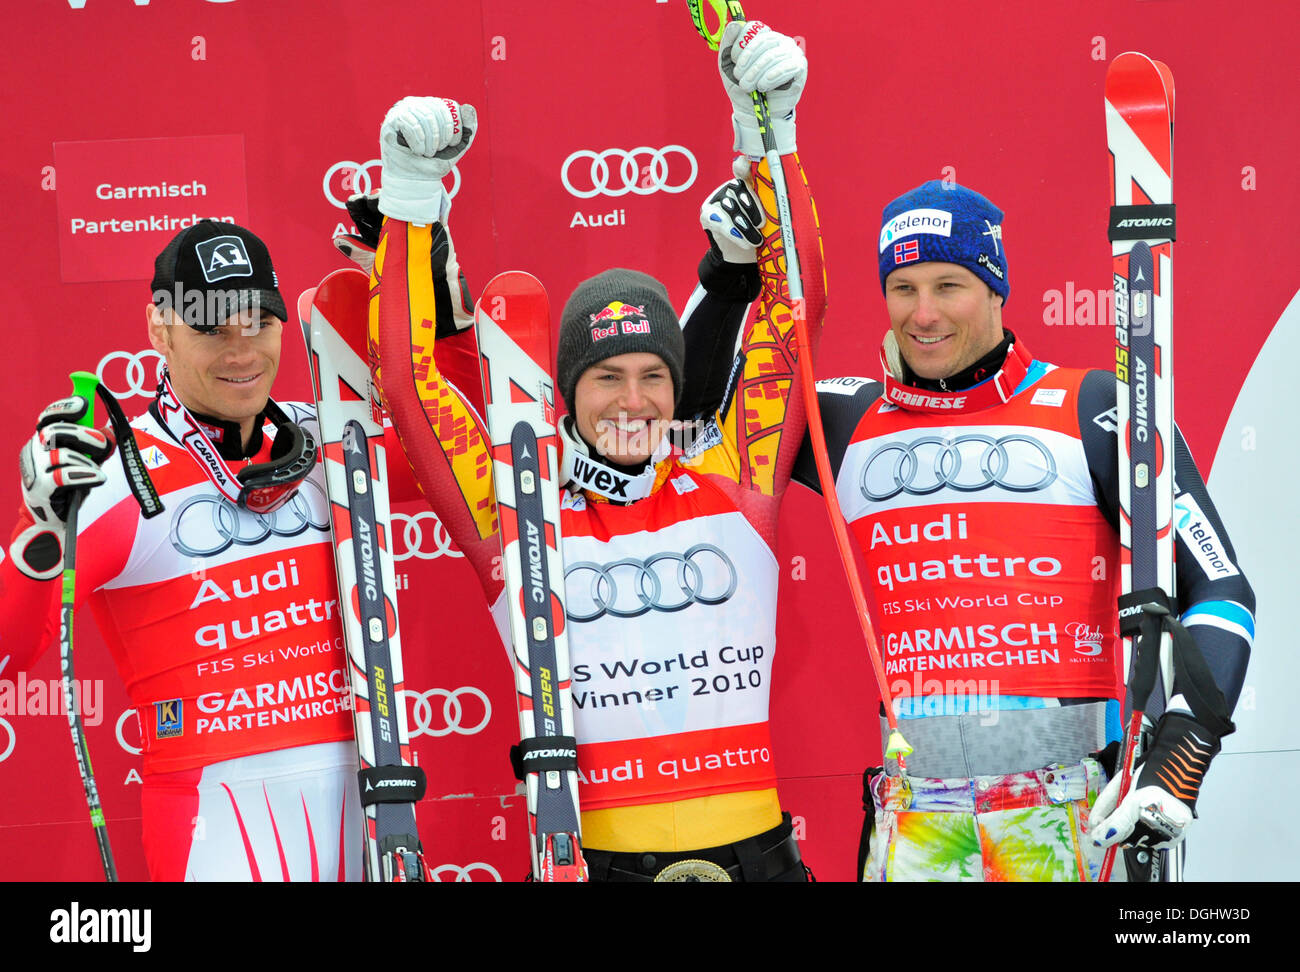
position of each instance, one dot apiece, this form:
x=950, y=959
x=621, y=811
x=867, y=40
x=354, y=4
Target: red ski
x=514, y=338
x=1139, y=133
x=334, y=324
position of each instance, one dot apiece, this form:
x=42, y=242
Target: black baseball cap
x=212, y=270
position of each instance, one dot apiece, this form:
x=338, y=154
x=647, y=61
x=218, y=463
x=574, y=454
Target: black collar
x=222, y=434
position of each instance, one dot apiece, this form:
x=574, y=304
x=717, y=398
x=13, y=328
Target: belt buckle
x=693, y=870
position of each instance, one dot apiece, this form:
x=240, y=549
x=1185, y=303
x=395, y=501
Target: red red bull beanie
x=617, y=312
x=942, y=222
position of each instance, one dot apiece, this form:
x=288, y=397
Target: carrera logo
x=200, y=448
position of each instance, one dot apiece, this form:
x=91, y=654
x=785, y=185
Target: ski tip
x=305, y=300
x=342, y=288
x=1131, y=62
x=336, y=278
x=512, y=280
x=514, y=284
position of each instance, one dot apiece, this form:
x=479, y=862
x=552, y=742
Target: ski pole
x=83, y=384
x=897, y=747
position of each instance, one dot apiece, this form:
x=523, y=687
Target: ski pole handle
x=84, y=384
x=723, y=10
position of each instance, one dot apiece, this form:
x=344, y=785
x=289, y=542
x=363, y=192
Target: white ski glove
x=733, y=219
x=419, y=141
x=1162, y=802
x=58, y=460
x=753, y=57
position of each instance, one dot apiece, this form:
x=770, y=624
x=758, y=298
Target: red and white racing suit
x=224, y=626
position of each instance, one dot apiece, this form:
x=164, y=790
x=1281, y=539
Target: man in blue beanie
x=983, y=488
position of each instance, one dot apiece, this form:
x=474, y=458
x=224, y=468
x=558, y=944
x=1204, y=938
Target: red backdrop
x=270, y=110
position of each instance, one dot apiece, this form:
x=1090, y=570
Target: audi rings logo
x=464, y=874
x=666, y=582
x=13, y=740
x=967, y=463
x=616, y=172
x=136, y=379
x=352, y=177
x=413, y=537
x=422, y=717
x=207, y=524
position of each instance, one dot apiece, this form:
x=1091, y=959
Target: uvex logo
x=604, y=480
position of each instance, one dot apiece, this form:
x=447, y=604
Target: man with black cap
x=982, y=486
x=671, y=576
x=221, y=614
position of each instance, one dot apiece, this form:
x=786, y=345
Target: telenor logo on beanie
x=915, y=221
x=222, y=257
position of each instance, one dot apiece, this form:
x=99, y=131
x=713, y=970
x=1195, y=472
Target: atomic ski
x=512, y=319
x=334, y=323
x=1139, y=134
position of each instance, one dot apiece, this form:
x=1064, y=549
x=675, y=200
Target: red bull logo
x=615, y=313
x=616, y=309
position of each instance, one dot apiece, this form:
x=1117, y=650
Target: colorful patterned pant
x=1020, y=827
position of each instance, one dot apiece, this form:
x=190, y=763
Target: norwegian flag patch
x=906, y=251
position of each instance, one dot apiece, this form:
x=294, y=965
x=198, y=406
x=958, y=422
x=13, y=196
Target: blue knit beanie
x=942, y=222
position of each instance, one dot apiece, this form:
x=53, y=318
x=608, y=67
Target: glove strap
x=137, y=476
x=1143, y=616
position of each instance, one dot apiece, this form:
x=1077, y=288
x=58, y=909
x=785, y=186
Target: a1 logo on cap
x=222, y=257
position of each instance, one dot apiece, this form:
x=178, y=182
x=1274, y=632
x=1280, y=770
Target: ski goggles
x=261, y=487
x=267, y=486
